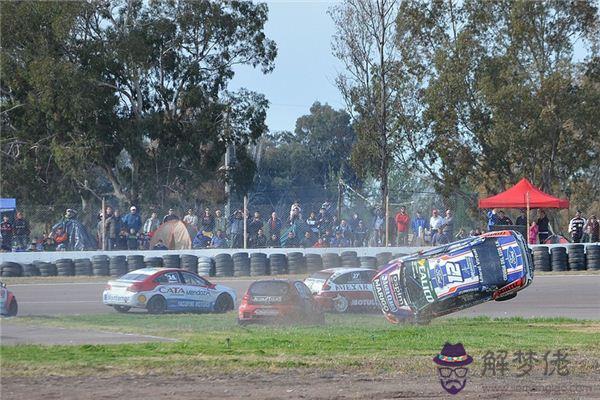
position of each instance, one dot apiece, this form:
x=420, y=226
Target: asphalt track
x=572, y=296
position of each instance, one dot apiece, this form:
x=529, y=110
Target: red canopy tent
x=523, y=195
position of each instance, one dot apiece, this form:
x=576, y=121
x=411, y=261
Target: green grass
x=346, y=342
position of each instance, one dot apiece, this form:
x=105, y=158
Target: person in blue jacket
x=132, y=220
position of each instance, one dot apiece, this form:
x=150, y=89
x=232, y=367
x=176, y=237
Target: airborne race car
x=167, y=289
x=449, y=278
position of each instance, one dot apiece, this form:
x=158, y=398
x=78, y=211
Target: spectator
x=419, y=225
x=295, y=211
x=503, y=219
x=576, y=227
x=344, y=228
x=59, y=237
x=6, y=228
x=308, y=240
x=123, y=238
x=492, y=219
x=160, y=245
x=220, y=222
x=593, y=229
x=378, y=227
x=321, y=243
x=291, y=240
x=339, y=240
x=132, y=240
x=327, y=235
x=151, y=224
x=112, y=225
x=435, y=222
x=543, y=225
x=311, y=221
x=236, y=229
x=201, y=240
x=254, y=226
x=207, y=223
x=361, y=234
x=132, y=220
x=260, y=240
x=219, y=241
x=170, y=216
x=191, y=219
x=448, y=228
x=323, y=220
x=522, y=218
x=354, y=222
x=402, y=220
x=274, y=224
x=533, y=233
x=274, y=241
x=21, y=232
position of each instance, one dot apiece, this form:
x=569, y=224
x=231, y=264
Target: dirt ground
x=294, y=385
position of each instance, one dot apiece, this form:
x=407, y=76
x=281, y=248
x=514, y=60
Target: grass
x=346, y=342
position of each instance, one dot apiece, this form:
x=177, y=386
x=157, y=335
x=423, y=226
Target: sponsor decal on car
x=197, y=292
x=352, y=287
x=171, y=290
x=363, y=302
x=397, y=291
x=380, y=295
x=427, y=292
x=267, y=299
x=116, y=298
x=389, y=298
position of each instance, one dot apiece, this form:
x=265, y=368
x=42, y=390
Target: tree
x=135, y=92
x=371, y=85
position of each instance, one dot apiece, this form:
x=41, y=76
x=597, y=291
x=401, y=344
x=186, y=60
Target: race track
x=573, y=296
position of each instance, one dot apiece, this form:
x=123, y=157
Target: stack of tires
x=296, y=263
x=171, y=261
x=331, y=260
x=541, y=259
x=223, y=265
x=100, y=265
x=593, y=257
x=241, y=264
x=350, y=259
x=558, y=257
x=45, y=268
x=30, y=270
x=135, y=262
x=189, y=262
x=383, y=259
x=205, y=266
x=83, y=267
x=278, y=264
x=153, y=262
x=576, y=254
x=117, y=266
x=259, y=265
x=314, y=263
x=368, y=262
x=10, y=269
x=65, y=267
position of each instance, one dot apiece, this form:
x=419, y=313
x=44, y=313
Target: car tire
x=122, y=309
x=242, y=322
x=340, y=304
x=505, y=298
x=157, y=305
x=13, y=309
x=223, y=304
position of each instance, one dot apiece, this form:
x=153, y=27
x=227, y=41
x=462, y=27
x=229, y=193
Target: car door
x=306, y=298
x=172, y=289
x=198, y=291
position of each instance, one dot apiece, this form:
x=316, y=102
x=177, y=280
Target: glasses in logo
x=446, y=372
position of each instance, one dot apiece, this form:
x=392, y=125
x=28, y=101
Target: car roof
x=344, y=270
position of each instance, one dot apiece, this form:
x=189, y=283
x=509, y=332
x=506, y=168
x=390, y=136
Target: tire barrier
x=65, y=267
x=314, y=263
x=558, y=258
x=30, y=270
x=223, y=265
x=259, y=264
x=350, y=259
x=153, y=262
x=10, y=269
x=368, y=262
x=278, y=264
x=296, y=263
x=576, y=254
x=383, y=259
x=83, y=267
x=171, y=261
x=135, y=262
x=189, y=262
x=100, y=265
x=117, y=266
x=241, y=264
x=45, y=268
x=592, y=256
x=541, y=259
x=205, y=266
x=331, y=260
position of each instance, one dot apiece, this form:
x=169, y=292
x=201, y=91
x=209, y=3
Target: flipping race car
x=279, y=300
x=159, y=290
x=343, y=289
x=8, y=302
x=446, y=279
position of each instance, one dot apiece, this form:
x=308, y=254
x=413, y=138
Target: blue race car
x=449, y=278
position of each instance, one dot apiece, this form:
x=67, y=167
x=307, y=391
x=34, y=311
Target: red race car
x=279, y=301
x=343, y=289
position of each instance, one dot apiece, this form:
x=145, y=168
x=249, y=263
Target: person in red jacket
x=402, y=223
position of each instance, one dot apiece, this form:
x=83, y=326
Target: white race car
x=8, y=302
x=159, y=290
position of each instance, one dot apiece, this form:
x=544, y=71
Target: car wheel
x=13, y=308
x=242, y=322
x=122, y=309
x=224, y=303
x=510, y=296
x=157, y=305
x=340, y=304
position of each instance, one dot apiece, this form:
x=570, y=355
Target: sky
x=305, y=69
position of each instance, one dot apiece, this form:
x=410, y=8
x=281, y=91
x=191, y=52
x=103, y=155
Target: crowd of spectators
x=319, y=229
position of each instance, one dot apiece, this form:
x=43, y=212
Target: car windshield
x=412, y=283
x=320, y=276
x=133, y=277
x=273, y=288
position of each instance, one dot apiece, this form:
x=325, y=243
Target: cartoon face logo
x=452, y=370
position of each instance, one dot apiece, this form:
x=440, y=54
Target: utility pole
x=229, y=155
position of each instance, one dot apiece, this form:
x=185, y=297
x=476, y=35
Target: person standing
x=207, y=223
x=593, y=229
x=274, y=224
x=360, y=234
x=576, y=227
x=254, y=225
x=191, y=219
x=402, y=221
x=220, y=222
x=236, y=230
x=522, y=218
x=419, y=225
x=171, y=216
x=435, y=222
x=492, y=219
x=503, y=219
x=21, y=232
x=132, y=220
x=533, y=233
x=151, y=224
x=543, y=225
x=448, y=227
x=6, y=228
